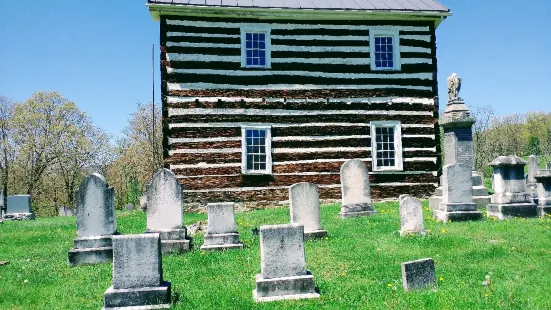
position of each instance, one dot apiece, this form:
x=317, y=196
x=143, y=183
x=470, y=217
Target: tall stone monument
x=221, y=233
x=165, y=213
x=96, y=222
x=458, y=144
x=137, y=274
x=510, y=198
x=356, y=191
x=304, y=205
x=283, y=273
x=531, y=182
x=543, y=177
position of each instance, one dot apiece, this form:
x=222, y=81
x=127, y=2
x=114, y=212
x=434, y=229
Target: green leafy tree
x=533, y=146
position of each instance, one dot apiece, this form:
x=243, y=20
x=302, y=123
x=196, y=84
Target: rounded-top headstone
x=411, y=215
x=95, y=207
x=355, y=183
x=305, y=206
x=164, y=202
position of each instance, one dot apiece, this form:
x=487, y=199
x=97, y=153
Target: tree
x=533, y=146
x=6, y=145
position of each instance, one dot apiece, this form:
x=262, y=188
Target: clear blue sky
x=98, y=54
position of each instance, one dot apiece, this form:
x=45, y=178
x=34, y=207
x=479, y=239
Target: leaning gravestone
x=283, y=273
x=165, y=214
x=544, y=192
x=96, y=222
x=304, y=205
x=221, y=233
x=510, y=198
x=19, y=208
x=356, y=191
x=531, y=182
x=418, y=274
x=457, y=200
x=137, y=274
x=411, y=216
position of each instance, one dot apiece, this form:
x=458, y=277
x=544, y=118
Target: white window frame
x=395, y=34
x=268, y=138
x=256, y=28
x=399, y=165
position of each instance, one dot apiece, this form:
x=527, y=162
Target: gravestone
x=510, y=198
x=19, y=207
x=457, y=200
x=165, y=214
x=418, y=274
x=458, y=145
x=543, y=177
x=411, y=216
x=95, y=221
x=221, y=233
x=283, y=274
x=129, y=207
x=549, y=165
x=304, y=205
x=143, y=202
x=356, y=191
x=531, y=182
x=137, y=274
x=66, y=211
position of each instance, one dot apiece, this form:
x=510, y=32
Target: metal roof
x=368, y=5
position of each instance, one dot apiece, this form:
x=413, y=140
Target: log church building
x=260, y=94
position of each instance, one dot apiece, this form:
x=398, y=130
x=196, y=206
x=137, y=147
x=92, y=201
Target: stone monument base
x=445, y=216
x=173, y=241
x=316, y=234
x=543, y=210
x=91, y=250
x=296, y=287
x=506, y=211
x=357, y=210
x=480, y=194
x=214, y=242
x=18, y=216
x=138, y=298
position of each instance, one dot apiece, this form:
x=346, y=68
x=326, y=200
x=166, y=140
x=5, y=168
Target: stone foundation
x=507, y=211
x=296, y=287
x=173, y=241
x=91, y=250
x=215, y=242
x=138, y=298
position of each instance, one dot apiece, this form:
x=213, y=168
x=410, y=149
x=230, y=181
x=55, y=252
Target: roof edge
x=157, y=10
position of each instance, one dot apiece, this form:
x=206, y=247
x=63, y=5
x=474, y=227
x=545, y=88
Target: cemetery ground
x=357, y=266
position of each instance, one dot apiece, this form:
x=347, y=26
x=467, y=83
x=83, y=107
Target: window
x=256, y=149
x=385, y=50
x=386, y=146
x=255, y=47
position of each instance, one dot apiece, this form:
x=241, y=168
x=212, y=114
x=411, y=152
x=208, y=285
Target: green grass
x=352, y=268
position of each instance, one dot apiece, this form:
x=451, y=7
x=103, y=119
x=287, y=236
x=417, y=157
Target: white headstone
x=411, y=216
x=355, y=183
x=305, y=208
x=164, y=202
x=221, y=218
x=95, y=207
x=282, y=251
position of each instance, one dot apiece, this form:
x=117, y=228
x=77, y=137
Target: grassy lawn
x=356, y=267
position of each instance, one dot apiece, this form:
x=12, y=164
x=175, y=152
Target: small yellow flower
x=441, y=279
x=547, y=227
x=389, y=285
x=343, y=273
x=202, y=252
x=462, y=282
x=326, y=238
x=443, y=230
x=486, y=295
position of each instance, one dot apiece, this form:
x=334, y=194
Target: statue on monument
x=454, y=86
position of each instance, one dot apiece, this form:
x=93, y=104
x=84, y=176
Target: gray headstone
x=129, y=207
x=221, y=218
x=355, y=183
x=143, y=202
x=533, y=168
x=66, y=211
x=549, y=165
x=418, y=274
x=164, y=202
x=305, y=206
x=95, y=207
x=457, y=185
x=411, y=215
x=19, y=204
x=137, y=261
x=282, y=251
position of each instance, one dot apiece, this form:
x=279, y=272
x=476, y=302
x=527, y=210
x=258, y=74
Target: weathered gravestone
x=137, y=274
x=283, y=273
x=458, y=145
x=66, y=211
x=549, y=165
x=356, y=191
x=510, y=198
x=221, y=233
x=457, y=200
x=129, y=207
x=544, y=192
x=19, y=207
x=304, y=205
x=418, y=274
x=96, y=222
x=411, y=216
x=531, y=182
x=165, y=214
